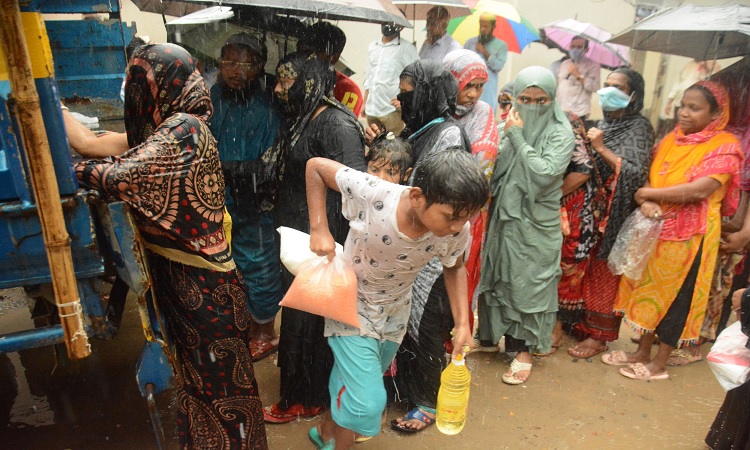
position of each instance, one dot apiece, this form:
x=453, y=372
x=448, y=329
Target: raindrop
x=212, y=357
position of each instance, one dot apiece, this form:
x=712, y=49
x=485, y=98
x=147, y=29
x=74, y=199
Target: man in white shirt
x=386, y=58
x=577, y=79
x=438, y=43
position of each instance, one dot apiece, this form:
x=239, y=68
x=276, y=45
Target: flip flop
x=260, y=348
x=585, y=352
x=681, y=357
x=317, y=441
x=274, y=414
x=415, y=413
x=639, y=371
x=616, y=358
x=515, y=367
x=552, y=351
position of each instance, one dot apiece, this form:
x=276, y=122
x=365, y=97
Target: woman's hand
x=513, y=120
x=371, y=133
x=322, y=243
x=651, y=209
x=596, y=136
x=734, y=242
x=396, y=104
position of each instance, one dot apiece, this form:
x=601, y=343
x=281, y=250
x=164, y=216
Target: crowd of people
x=456, y=198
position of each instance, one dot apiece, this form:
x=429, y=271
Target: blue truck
x=81, y=62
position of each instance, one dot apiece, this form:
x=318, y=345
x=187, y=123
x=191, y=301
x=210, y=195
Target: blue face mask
x=613, y=99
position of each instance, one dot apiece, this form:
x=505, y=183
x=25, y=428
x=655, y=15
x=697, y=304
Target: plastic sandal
x=260, y=349
x=515, y=367
x=415, y=413
x=274, y=414
x=317, y=441
x=640, y=372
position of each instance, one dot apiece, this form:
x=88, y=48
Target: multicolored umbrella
x=515, y=31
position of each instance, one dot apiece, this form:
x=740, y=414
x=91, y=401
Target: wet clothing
x=348, y=93
x=575, y=95
x=305, y=359
x=245, y=125
x=690, y=230
x=521, y=258
x=498, y=51
x=384, y=65
x=419, y=360
x=576, y=246
x=730, y=430
x=631, y=138
x=439, y=49
x=172, y=181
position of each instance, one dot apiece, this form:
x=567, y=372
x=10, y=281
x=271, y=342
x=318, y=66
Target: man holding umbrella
x=493, y=51
x=577, y=79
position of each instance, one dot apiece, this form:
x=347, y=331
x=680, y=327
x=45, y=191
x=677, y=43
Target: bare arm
x=573, y=181
x=680, y=194
x=457, y=287
x=88, y=145
x=737, y=239
x=320, y=174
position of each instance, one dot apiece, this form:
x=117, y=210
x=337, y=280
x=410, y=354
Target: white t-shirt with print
x=385, y=260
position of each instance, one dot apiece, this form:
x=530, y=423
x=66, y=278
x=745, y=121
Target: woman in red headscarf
x=692, y=182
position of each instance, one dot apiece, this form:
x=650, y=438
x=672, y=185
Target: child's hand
x=322, y=243
x=461, y=337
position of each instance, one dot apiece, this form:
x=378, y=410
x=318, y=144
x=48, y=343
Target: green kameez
x=521, y=257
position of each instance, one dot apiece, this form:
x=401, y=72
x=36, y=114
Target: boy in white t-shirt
x=394, y=232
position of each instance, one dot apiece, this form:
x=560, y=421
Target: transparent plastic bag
x=326, y=288
x=729, y=358
x=634, y=245
x=295, y=249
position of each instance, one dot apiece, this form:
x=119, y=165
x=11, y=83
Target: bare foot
x=588, y=348
x=419, y=421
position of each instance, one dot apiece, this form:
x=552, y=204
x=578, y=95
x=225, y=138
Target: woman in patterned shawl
x=622, y=140
x=478, y=120
x=694, y=170
x=172, y=180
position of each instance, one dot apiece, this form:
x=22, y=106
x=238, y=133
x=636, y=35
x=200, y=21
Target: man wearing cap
x=327, y=41
x=245, y=126
x=493, y=51
x=577, y=79
x=438, y=43
x=386, y=58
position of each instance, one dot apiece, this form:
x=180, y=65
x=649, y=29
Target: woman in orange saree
x=695, y=170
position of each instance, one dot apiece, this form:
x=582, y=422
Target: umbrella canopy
x=516, y=34
x=700, y=32
x=609, y=55
x=417, y=9
x=208, y=15
x=375, y=11
x=167, y=7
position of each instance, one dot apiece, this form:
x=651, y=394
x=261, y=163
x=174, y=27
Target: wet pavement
x=566, y=404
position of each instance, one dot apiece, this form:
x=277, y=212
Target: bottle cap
x=459, y=360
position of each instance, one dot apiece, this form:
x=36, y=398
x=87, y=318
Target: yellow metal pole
x=46, y=192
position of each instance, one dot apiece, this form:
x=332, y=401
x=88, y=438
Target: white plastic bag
x=729, y=358
x=295, y=249
x=635, y=243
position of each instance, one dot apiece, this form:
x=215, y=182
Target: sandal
x=317, y=441
x=515, y=367
x=682, y=357
x=586, y=352
x=260, y=349
x=639, y=371
x=417, y=414
x=274, y=414
x=616, y=358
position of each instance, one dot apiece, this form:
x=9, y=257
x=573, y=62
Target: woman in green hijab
x=521, y=258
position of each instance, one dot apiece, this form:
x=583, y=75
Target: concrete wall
x=611, y=15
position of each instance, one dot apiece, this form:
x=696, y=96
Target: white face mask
x=576, y=53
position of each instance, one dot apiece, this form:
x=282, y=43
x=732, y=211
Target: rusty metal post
x=46, y=192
